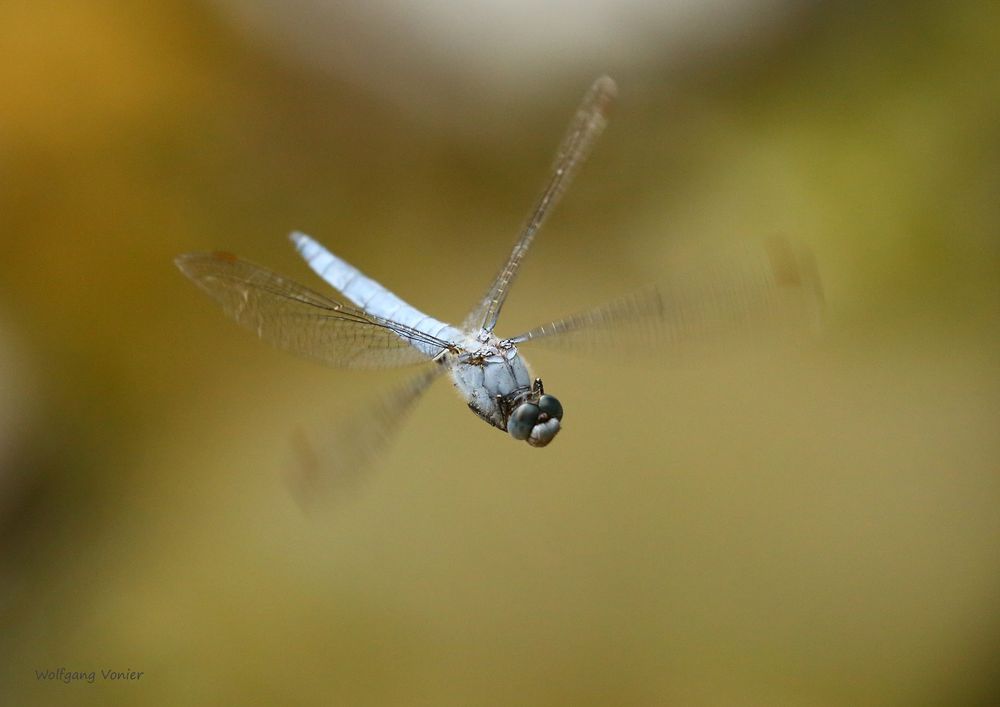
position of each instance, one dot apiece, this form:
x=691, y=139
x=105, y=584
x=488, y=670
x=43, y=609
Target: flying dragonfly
x=367, y=326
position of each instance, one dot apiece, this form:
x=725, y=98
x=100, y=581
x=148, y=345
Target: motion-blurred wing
x=757, y=290
x=295, y=318
x=590, y=120
x=348, y=451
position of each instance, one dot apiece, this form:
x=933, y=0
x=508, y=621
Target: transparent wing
x=350, y=449
x=755, y=290
x=591, y=117
x=295, y=318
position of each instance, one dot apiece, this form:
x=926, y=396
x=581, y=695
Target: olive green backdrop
x=813, y=525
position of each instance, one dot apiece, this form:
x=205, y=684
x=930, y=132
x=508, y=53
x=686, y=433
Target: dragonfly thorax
x=497, y=385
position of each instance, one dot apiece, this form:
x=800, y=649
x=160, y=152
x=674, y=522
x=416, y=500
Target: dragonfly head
x=536, y=422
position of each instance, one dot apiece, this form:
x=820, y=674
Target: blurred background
x=816, y=526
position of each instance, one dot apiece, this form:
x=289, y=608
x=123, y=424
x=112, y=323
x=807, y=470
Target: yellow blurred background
x=808, y=527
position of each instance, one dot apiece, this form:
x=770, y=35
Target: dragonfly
x=367, y=326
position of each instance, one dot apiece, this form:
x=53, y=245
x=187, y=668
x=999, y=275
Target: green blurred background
x=808, y=527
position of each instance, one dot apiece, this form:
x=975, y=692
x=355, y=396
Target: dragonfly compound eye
x=551, y=406
x=522, y=420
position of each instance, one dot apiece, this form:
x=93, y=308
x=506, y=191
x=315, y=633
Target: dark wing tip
x=224, y=256
x=794, y=267
x=784, y=262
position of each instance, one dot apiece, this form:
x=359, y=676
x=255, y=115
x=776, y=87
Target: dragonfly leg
x=486, y=417
x=537, y=387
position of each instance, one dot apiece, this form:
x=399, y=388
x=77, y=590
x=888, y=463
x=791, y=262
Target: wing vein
x=587, y=125
x=297, y=319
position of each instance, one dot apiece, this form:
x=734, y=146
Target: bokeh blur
x=807, y=526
